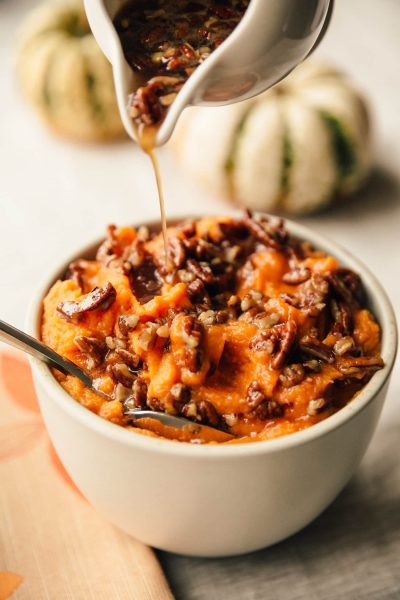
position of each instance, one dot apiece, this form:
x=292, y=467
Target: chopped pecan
x=343, y=345
x=75, y=272
x=292, y=375
x=202, y=411
x=109, y=249
x=315, y=406
x=131, y=359
x=176, y=252
x=207, y=413
x=202, y=270
x=121, y=392
x=340, y=289
x=148, y=336
x=271, y=235
x=311, y=346
x=100, y=298
x=286, y=338
x=127, y=323
x=343, y=322
x=298, y=275
x=93, y=348
x=135, y=253
x=181, y=395
x=270, y=409
x=139, y=393
x=197, y=293
x=122, y=374
x=254, y=396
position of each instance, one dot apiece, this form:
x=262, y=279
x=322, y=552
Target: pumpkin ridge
x=345, y=158
x=97, y=108
x=229, y=166
x=48, y=101
x=287, y=162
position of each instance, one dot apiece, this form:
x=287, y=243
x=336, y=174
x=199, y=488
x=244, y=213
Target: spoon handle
x=17, y=338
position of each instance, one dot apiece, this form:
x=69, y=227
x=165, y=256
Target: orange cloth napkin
x=53, y=544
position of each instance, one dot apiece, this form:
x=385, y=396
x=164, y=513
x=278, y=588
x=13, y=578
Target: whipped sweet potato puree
x=243, y=328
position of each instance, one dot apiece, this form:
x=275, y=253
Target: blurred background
x=57, y=192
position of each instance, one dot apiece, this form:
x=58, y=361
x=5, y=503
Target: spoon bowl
x=272, y=38
x=149, y=419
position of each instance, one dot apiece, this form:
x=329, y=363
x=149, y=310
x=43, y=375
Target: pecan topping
x=315, y=406
x=203, y=412
x=313, y=347
x=292, y=375
x=201, y=270
x=220, y=265
x=207, y=413
x=176, y=252
x=254, y=396
x=181, y=395
x=192, y=335
x=137, y=396
x=131, y=359
x=122, y=374
x=273, y=236
x=197, y=293
x=278, y=341
x=100, y=298
x=75, y=271
x=355, y=366
x=339, y=287
x=271, y=409
x=297, y=275
x=343, y=345
x=343, y=322
x=127, y=323
x=94, y=349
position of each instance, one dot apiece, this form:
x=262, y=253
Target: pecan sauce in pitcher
x=164, y=42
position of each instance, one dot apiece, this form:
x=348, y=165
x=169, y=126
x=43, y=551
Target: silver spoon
x=17, y=338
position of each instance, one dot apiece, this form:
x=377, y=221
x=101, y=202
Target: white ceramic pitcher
x=272, y=38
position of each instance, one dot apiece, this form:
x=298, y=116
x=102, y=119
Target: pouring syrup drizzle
x=164, y=42
x=146, y=136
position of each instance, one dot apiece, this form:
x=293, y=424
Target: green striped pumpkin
x=65, y=75
x=292, y=149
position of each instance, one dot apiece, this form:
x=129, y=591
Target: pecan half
x=100, y=298
x=273, y=236
x=176, y=252
x=355, y=366
x=311, y=346
x=75, y=272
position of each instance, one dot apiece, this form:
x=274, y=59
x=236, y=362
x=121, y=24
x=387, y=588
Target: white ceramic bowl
x=215, y=500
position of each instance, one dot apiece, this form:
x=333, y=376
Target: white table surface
x=55, y=195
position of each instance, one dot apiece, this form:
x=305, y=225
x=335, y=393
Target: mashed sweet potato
x=243, y=328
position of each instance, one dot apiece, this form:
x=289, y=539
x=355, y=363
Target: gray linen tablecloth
x=352, y=551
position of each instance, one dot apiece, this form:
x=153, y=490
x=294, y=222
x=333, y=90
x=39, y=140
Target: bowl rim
x=376, y=293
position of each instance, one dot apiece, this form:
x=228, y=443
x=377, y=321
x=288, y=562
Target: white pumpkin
x=65, y=75
x=292, y=149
